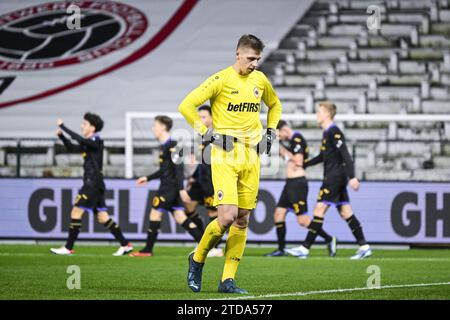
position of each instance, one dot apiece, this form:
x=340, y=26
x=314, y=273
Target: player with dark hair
x=294, y=196
x=235, y=94
x=91, y=197
x=338, y=172
x=200, y=189
x=167, y=198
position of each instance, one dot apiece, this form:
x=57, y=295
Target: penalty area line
x=307, y=293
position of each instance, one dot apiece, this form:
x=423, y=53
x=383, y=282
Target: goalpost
x=138, y=125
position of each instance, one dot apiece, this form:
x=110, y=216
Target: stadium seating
x=403, y=67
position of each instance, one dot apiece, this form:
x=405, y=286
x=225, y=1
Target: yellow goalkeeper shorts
x=235, y=176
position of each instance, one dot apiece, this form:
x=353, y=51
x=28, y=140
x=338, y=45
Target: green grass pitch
x=31, y=272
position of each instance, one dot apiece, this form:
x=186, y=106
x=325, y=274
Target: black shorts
x=204, y=195
x=294, y=195
x=91, y=199
x=167, y=200
x=333, y=192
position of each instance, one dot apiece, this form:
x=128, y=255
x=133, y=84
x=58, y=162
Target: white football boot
x=123, y=250
x=362, y=253
x=300, y=252
x=215, y=252
x=63, y=251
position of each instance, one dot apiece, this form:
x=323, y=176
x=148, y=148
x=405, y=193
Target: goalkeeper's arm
x=188, y=107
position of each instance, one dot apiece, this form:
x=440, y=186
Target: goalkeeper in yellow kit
x=235, y=95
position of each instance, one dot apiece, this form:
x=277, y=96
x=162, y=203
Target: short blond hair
x=329, y=106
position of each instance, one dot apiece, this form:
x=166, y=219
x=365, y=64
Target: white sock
x=364, y=247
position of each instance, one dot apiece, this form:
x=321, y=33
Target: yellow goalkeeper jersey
x=235, y=103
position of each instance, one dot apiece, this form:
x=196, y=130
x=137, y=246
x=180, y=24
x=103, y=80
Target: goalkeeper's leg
x=214, y=232
x=234, y=251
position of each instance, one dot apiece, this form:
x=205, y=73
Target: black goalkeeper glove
x=266, y=142
x=221, y=140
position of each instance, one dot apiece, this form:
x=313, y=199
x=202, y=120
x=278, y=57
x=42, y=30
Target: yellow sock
x=234, y=251
x=212, y=235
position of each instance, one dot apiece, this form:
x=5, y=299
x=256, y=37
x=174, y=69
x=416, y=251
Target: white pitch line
x=307, y=293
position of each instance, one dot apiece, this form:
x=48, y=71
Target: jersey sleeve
x=271, y=100
x=92, y=142
x=155, y=175
x=69, y=145
x=312, y=162
x=208, y=90
x=339, y=143
x=297, y=146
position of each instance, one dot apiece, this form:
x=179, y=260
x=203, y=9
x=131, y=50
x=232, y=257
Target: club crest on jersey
x=256, y=92
x=220, y=195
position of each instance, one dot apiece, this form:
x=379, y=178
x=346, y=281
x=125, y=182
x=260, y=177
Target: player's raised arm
x=89, y=142
x=67, y=143
x=188, y=107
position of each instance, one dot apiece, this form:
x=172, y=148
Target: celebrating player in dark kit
x=200, y=188
x=294, y=196
x=338, y=172
x=235, y=94
x=167, y=198
x=91, y=197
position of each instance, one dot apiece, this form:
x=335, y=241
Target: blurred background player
x=294, y=196
x=338, y=172
x=167, y=198
x=91, y=197
x=235, y=94
x=200, y=189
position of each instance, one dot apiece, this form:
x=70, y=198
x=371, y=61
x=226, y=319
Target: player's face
x=247, y=59
x=322, y=115
x=283, y=133
x=158, y=128
x=205, y=117
x=87, y=129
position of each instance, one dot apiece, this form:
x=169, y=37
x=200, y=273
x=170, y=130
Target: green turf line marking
x=307, y=293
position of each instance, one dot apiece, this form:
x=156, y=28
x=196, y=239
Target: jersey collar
x=296, y=133
x=332, y=125
x=167, y=141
